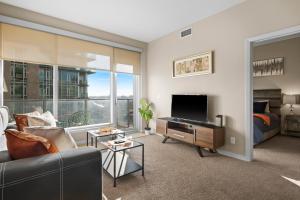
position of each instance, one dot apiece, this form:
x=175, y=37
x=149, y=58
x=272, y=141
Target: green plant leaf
x=145, y=111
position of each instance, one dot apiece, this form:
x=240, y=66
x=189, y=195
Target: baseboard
x=233, y=155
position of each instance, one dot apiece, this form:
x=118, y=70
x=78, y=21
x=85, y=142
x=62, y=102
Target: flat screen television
x=189, y=107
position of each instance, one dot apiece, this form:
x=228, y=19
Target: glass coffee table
x=97, y=134
x=117, y=160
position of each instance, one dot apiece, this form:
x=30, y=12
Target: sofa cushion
x=56, y=135
x=24, y=145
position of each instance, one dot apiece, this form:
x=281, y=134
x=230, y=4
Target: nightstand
x=292, y=125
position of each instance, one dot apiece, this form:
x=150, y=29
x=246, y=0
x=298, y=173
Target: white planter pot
x=147, y=131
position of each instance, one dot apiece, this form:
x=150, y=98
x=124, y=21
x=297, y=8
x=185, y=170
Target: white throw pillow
x=61, y=139
x=31, y=114
x=45, y=119
x=49, y=118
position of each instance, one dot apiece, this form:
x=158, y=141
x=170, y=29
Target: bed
x=266, y=123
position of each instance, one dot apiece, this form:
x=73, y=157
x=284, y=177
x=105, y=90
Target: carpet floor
x=175, y=171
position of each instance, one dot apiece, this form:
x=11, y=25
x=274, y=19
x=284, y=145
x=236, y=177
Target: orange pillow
x=24, y=145
x=21, y=121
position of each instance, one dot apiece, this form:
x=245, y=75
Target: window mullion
x=1, y=82
x=55, y=90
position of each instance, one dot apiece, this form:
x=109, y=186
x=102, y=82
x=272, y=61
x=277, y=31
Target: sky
x=99, y=84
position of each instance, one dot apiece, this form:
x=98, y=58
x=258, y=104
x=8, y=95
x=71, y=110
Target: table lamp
x=290, y=99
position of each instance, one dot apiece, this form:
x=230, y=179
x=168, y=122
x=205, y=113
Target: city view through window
x=83, y=95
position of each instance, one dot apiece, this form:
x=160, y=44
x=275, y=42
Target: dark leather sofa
x=74, y=174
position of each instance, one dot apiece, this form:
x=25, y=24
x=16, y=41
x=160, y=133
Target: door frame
x=275, y=36
x=136, y=96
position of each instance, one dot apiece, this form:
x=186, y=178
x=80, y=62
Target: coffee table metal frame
x=94, y=135
x=134, y=166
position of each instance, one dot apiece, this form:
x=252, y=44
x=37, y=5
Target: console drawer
x=186, y=137
x=205, y=134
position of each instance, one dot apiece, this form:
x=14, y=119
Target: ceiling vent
x=186, y=32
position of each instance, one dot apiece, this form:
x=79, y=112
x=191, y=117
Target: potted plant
x=146, y=113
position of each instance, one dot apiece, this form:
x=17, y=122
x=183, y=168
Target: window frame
x=55, y=97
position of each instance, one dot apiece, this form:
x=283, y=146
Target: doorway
x=124, y=113
x=250, y=43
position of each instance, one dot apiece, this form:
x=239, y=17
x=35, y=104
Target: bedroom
x=276, y=92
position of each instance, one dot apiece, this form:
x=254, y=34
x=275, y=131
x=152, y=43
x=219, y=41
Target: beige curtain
x=78, y=53
x=127, y=58
x=27, y=45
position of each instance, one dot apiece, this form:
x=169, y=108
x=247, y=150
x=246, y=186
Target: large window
x=84, y=97
x=28, y=87
x=46, y=81
x=125, y=91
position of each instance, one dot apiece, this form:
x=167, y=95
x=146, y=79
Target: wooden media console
x=201, y=135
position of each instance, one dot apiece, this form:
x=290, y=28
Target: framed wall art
x=269, y=67
x=193, y=65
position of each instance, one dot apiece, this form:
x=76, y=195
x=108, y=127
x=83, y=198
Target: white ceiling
x=143, y=20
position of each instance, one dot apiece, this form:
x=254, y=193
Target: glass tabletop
x=126, y=144
x=98, y=133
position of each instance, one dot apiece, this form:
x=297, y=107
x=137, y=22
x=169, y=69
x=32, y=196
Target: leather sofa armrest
x=4, y=156
x=70, y=175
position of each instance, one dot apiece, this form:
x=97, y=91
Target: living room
x=137, y=105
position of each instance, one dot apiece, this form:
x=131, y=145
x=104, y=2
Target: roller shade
x=126, y=61
x=27, y=45
x=78, y=53
x=32, y=46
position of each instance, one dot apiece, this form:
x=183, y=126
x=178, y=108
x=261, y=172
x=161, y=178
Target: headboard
x=273, y=95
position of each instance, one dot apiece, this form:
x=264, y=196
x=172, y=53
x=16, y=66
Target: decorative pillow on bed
x=267, y=110
x=259, y=107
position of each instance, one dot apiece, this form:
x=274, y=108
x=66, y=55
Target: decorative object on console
x=219, y=120
x=290, y=100
x=146, y=113
x=194, y=65
x=269, y=67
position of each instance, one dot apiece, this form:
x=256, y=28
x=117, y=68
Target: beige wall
x=225, y=33
x=289, y=83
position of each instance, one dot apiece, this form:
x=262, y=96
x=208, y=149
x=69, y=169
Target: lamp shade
x=289, y=99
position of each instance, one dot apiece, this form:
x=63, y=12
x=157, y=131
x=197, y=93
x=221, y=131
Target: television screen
x=189, y=107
